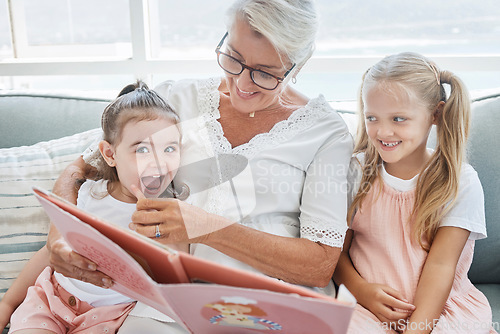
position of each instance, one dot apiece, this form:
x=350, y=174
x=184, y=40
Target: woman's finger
x=76, y=266
x=137, y=192
x=154, y=203
x=152, y=231
x=149, y=230
x=149, y=217
x=61, y=255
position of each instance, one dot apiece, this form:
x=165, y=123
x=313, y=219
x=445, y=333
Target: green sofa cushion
x=30, y=118
x=484, y=156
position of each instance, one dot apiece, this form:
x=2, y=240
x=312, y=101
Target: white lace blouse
x=291, y=181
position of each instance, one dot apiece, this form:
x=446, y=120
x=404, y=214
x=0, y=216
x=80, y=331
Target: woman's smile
x=245, y=95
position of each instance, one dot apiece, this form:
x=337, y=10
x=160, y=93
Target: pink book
x=202, y=296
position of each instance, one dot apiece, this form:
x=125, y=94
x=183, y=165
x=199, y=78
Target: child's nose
x=158, y=164
x=385, y=131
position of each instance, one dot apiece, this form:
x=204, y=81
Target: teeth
x=152, y=182
x=390, y=144
x=246, y=93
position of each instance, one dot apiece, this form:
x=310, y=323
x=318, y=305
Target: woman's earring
x=294, y=80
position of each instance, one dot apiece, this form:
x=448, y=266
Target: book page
x=224, y=309
x=129, y=277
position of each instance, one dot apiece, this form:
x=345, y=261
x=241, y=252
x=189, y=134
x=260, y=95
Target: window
x=460, y=35
x=445, y=27
x=185, y=33
x=5, y=44
x=71, y=43
x=66, y=28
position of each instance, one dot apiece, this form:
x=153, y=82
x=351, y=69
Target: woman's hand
x=65, y=261
x=61, y=256
x=387, y=304
x=177, y=222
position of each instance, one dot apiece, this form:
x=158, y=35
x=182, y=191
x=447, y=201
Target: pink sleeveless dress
x=383, y=252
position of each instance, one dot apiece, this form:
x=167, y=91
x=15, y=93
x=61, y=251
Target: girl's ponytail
x=454, y=128
x=437, y=187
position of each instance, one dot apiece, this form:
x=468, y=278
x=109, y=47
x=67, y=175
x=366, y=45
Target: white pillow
x=23, y=223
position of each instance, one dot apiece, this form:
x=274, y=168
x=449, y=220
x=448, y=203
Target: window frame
x=145, y=38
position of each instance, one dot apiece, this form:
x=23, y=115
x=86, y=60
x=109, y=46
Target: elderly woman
x=283, y=213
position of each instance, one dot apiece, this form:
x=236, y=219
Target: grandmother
x=281, y=208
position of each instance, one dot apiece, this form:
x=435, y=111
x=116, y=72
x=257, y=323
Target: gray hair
x=290, y=25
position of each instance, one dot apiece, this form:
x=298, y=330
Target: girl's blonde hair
x=437, y=186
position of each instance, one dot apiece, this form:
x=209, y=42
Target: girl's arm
x=437, y=278
x=379, y=299
x=17, y=292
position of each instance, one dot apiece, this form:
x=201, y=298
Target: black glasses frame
x=250, y=69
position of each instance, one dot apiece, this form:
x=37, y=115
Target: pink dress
x=383, y=252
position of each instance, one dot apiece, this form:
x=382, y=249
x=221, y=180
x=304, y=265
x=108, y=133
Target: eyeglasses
x=235, y=67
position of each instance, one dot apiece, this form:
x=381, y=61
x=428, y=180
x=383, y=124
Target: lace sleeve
x=321, y=231
x=323, y=208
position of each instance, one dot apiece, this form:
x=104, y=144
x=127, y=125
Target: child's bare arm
x=17, y=292
x=437, y=278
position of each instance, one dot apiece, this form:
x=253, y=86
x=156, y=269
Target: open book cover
x=202, y=296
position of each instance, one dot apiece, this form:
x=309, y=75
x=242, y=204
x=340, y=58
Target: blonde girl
x=417, y=211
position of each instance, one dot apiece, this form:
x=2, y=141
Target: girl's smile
x=398, y=127
x=389, y=145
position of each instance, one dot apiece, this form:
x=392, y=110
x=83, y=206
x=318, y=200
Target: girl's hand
x=387, y=304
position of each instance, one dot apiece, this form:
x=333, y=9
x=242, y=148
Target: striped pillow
x=23, y=223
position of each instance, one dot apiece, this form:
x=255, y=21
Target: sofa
x=42, y=132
